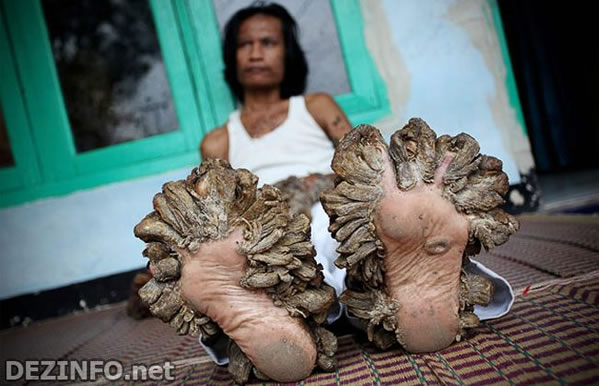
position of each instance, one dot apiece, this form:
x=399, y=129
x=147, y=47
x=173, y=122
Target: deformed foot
x=227, y=256
x=408, y=215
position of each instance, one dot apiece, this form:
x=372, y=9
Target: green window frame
x=24, y=172
x=61, y=168
x=46, y=161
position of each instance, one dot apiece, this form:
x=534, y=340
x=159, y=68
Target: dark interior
x=554, y=49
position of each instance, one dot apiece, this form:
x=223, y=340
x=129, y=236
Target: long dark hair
x=296, y=67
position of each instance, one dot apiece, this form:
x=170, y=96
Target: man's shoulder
x=216, y=134
x=319, y=100
x=215, y=143
x=320, y=104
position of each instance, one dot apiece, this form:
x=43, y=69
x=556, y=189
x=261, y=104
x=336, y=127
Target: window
x=138, y=118
x=110, y=70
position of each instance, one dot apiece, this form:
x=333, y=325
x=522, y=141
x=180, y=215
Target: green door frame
x=510, y=80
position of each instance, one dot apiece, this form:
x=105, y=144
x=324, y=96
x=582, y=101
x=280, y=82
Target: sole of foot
x=279, y=345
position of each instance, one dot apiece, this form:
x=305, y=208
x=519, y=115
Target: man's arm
x=215, y=144
x=328, y=115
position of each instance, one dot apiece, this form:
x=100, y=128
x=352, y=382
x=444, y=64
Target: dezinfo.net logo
x=85, y=370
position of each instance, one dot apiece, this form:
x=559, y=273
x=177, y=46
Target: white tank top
x=297, y=147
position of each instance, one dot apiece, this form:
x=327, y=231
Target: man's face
x=260, y=52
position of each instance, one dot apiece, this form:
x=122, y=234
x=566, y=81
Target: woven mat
x=547, y=248
x=550, y=336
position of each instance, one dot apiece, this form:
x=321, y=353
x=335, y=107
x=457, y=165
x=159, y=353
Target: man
x=264, y=67
x=406, y=248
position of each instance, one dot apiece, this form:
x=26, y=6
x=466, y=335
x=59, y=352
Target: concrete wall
x=64, y=240
x=441, y=61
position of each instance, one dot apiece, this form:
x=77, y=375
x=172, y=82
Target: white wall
x=64, y=240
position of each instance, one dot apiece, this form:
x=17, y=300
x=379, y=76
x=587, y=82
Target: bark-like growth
x=474, y=183
x=303, y=192
x=213, y=201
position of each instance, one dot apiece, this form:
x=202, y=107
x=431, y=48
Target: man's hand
x=215, y=144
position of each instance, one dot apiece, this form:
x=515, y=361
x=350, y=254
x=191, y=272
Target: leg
x=326, y=253
x=408, y=216
x=503, y=295
x=136, y=308
x=229, y=257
